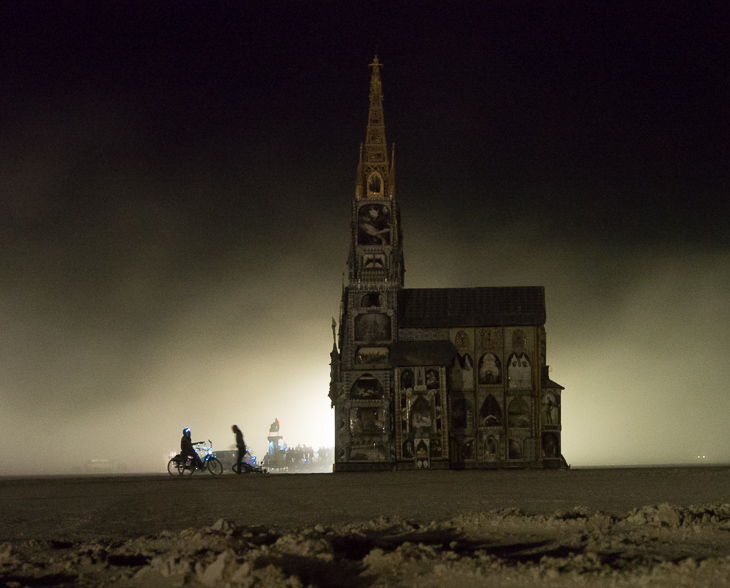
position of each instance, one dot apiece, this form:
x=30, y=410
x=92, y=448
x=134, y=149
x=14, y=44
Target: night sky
x=175, y=187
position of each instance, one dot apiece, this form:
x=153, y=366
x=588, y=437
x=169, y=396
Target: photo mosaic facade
x=432, y=378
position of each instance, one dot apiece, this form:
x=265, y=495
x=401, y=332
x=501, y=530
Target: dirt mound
x=654, y=545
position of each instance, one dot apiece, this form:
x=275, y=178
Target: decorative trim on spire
x=358, y=184
x=373, y=174
x=391, y=176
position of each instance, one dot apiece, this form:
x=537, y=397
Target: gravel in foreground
x=661, y=545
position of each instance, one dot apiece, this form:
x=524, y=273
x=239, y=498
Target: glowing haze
x=174, y=199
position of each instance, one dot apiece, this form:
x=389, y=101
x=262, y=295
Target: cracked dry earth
x=660, y=545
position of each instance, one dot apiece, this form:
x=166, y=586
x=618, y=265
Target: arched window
x=515, y=449
x=490, y=414
x=370, y=300
x=366, y=387
x=432, y=379
x=550, y=445
x=490, y=447
x=421, y=417
x=519, y=414
x=406, y=379
x=375, y=185
x=490, y=369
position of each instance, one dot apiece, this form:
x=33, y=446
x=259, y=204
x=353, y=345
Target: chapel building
x=432, y=377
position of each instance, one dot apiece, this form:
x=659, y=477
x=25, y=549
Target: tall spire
x=376, y=257
x=373, y=179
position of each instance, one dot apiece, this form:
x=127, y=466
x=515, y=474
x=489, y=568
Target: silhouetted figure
x=187, y=449
x=241, y=446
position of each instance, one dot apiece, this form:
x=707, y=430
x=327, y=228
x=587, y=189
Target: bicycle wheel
x=187, y=470
x=214, y=466
x=173, y=468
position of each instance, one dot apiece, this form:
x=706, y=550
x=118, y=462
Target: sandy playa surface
x=496, y=528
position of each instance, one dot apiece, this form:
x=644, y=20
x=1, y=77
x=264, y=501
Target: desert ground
x=665, y=526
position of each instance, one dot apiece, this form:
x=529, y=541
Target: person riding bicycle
x=187, y=449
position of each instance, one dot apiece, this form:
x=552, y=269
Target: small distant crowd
x=301, y=457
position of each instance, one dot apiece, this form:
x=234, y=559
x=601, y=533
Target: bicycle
x=185, y=465
x=247, y=468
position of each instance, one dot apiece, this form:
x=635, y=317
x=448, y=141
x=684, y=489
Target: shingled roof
x=471, y=307
x=404, y=353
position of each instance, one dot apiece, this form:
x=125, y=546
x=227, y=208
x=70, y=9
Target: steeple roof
x=471, y=307
x=376, y=179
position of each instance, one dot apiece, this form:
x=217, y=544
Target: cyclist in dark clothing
x=241, y=445
x=187, y=449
